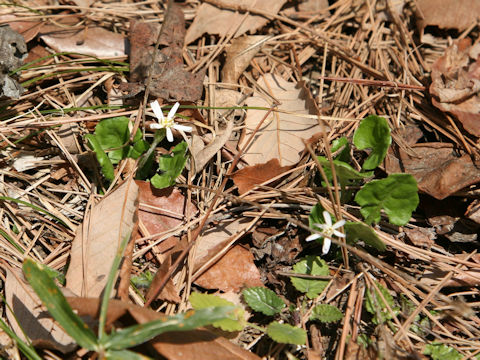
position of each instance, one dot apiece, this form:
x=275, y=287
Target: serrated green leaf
x=359, y=231
x=439, y=351
x=170, y=166
x=263, y=300
x=311, y=265
x=326, y=313
x=56, y=304
x=286, y=334
x=374, y=133
x=235, y=322
x=397, y=195
x=375, y=305
x=102, y=158
x=138, y=334
x=343, y=170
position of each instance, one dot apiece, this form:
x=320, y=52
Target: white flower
x=167, y=122
x=329, y=230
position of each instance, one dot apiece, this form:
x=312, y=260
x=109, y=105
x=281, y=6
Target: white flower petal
x=338, y=234
x=182, y=127
x=156, y=126
x=339, y=224
x=157, y=110
x=169, y=134
x=173, y=110
x=326, y=246
x=313, y=237
x=328, y=219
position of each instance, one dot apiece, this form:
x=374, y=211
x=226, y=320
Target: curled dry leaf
x=438, y=169
x=33, y=318
x=456, y=83
x=202, y=154
x=249, y=176
x=220, y=21
x=97, y=239
x=239, y=55
x=281, y=135
x=169, y=79
x=94, y=41
x=447, y=14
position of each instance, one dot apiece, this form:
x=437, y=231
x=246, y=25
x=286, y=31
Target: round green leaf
x=170, y=166
x=359, y=231
x=326, y=313
x=102, y=158
x=311, y=265
x=114, y=133
x=286, y=334
x=374, y=133
x=397, y=195
x=263, y=300
x=203, y=301
x=343, y=170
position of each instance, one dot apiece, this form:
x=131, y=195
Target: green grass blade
x=56, y=304
x=138, y=334
x=11, y=241
x=26, y=349
x=34, y=207
x=109, y=286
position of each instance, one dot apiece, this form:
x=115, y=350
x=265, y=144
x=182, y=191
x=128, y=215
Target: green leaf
x=171, y=166
x=311, y=265
x=124, y=355
x=286, y=334
x=359, y=231
x=374, y=133
x=102, y=158
x=263, y=300
x=138, y=334
x=397, y=195
x=114, y=134
x=143, y=280
x=233, y=323
x=343, y=170
x=56, y=304
x=326, y=313
x=376, y=306
x=344, y=154
x=439, y=351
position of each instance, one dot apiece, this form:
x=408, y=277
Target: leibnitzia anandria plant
x=115, y=344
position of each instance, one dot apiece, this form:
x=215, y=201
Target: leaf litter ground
x=322, y=67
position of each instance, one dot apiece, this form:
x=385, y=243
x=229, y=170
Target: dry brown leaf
x=28, y=29
x=96, y=242
x=202, y=154
x=94, y=41
x=469, y=277
x=438, y=169
x=421, y=237
x=456, y=83
x=162, y=209
x=239, y=55
x=197, y=344
x=447, y=14
x=34, y=319
x=169, y=292
x=281, y=135
x=234, y=271
x=216, y=238
x=169, y=80
x=213, y=20
x=249, y=176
